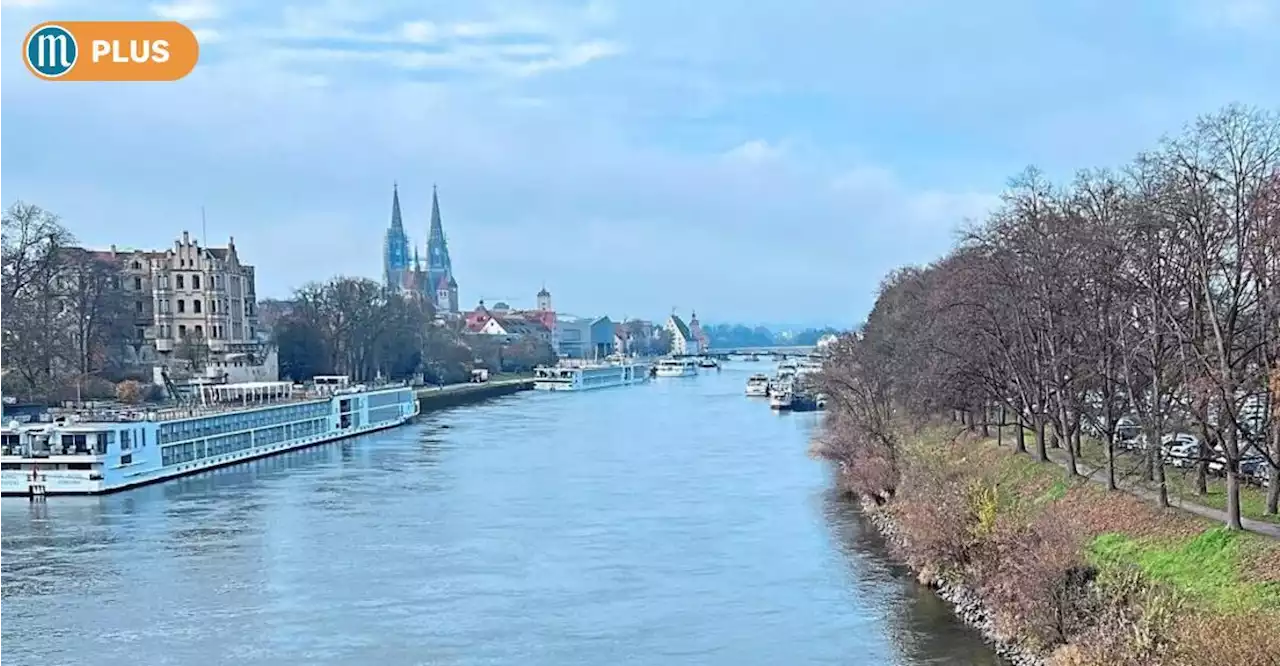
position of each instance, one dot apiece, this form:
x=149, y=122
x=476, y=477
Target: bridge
x=800, y=350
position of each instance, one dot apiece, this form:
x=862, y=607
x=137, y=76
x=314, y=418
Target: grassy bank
x=1070, y=571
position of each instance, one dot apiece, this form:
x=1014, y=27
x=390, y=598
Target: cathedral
x=405, y=272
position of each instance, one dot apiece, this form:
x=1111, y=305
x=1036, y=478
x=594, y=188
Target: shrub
x=130, y=392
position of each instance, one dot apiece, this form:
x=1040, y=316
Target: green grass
x=1205, y=568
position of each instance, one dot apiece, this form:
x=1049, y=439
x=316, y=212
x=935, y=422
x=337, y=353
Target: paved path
x=423, y=390
x=1099, y=475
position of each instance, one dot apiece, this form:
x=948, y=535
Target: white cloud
x=756, y=151
x=187, y=10
x=419, y=32
x=207, y=35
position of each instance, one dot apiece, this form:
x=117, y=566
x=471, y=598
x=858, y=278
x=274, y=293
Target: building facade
x=202, y=297
x=404, y=271
x=683, y=342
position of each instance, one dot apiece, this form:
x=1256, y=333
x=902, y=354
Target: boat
x=753, y=357
x=708, y=363
x=584, y=376
x=95, y=450
x=780, y=399
x=758, y=386
x=676, y=367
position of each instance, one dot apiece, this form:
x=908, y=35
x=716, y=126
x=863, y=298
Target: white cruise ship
x=572, y=376
x=676, y=367
x=87, y=452
x=758, y=386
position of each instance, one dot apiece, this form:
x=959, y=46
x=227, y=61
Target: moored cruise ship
x=86, y=452
x=584, y=376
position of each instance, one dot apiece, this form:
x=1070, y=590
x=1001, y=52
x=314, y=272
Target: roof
x=516, y=326
x=544, y=292
x=681, y=327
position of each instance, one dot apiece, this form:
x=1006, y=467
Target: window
x=195, y=306
x=163, y=305
x=199, y=331
x=137, y=282
x=213, y=305
x=137, y=265
x=195, y=281
x=137, y=307
x=164, y=281
x=141, y=333
x=182, y=330
x=126, y=459
x=180, y=282
x=182, y=305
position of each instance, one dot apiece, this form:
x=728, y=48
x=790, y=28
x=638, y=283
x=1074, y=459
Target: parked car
x=1262, y=474
x=1182, y=449
x=1249, y=465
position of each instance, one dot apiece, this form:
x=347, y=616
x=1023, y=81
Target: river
x=674, y=523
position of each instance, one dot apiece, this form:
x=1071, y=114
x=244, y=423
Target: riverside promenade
x=431, y=398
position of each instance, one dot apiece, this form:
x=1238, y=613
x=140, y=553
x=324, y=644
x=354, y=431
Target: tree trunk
x=1111, y=461
x=1042, y=454
x=1202, y=470
x=1000, y=428
x=1072, y=468
x=1021, y=445
x=1163, y=494
x=986, y=420
x=1273, y=491
x=1233, y=496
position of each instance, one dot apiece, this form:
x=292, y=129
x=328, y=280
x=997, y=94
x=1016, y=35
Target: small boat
x=758, y=386
x=780, y=400
x=708, y=363
x=676, y=367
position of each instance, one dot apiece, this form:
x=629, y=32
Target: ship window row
x=217, y=425
x=389, y=398
x=384, y=414
x=177, y=454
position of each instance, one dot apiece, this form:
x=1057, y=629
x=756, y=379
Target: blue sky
x=756, y=161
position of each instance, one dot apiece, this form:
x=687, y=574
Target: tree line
x=357, y=327
x=66, y=317
x=728, y=336
x=1142, y=298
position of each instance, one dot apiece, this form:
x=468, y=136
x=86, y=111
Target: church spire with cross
x=439, y=265
x=395, y=249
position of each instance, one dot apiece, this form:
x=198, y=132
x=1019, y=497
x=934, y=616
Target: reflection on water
x=674, y=523
x=921, y=625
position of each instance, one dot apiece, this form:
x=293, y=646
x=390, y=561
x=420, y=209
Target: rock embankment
x=964, y=601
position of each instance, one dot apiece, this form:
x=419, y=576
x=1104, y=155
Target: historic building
x=404, y=270
x=195, y=302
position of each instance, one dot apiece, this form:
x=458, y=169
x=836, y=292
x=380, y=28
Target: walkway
x=1099, y=475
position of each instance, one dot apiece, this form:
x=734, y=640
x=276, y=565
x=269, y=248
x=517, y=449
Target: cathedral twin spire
x=434, y=281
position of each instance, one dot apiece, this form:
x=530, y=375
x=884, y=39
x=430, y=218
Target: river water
x=674, y=523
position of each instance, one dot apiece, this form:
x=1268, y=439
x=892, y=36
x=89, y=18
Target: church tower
x=395, y=250
x=544, y=299
x=439, y=266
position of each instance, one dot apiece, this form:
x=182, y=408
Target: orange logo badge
x=111, y=51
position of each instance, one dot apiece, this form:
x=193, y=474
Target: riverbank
x=1057, y=570
x=431, y=398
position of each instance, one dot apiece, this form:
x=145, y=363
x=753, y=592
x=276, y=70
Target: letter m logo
x=51, y=51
